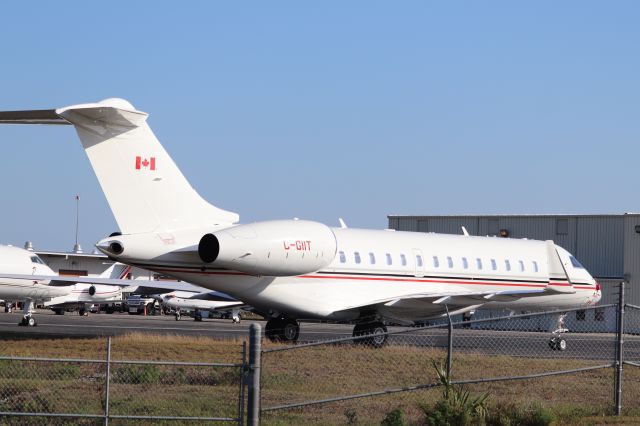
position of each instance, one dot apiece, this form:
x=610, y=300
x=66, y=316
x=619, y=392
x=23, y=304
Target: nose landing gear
x=557, y=342
x=27, y=318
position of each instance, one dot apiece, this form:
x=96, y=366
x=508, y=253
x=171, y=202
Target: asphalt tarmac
x=515, y=343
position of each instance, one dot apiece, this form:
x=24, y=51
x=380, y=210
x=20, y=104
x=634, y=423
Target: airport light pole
x=76, y=246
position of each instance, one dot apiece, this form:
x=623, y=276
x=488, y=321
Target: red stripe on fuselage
x=398, y=279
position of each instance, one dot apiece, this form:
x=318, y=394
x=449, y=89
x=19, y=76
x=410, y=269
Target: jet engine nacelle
x=273, y=248
x=101, y=292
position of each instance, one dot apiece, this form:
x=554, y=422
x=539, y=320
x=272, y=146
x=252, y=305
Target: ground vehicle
x=140, y=304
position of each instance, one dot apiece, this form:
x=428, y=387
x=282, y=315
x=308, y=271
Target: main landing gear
x=282, y=330
x=557, y=342
x=376, y=332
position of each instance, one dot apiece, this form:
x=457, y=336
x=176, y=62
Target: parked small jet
x=81, y=296
x=24, y=276
x=180, y=301
x=297, y=269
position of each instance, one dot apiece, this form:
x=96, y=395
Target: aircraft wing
x=462, y=299
x=436, y=304
x=56, y=280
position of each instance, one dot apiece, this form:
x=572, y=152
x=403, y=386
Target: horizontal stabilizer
x=35, y=116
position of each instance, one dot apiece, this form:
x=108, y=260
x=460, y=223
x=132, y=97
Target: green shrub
x=394, y=418
x=456, y=407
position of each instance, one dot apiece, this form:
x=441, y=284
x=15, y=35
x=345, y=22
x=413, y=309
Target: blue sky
x=322, y=110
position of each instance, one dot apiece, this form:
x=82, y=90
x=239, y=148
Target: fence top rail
x=629, y=305
x=435, y=326
x=104, y=361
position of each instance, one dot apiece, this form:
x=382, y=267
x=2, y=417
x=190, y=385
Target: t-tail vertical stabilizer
x=144, y=188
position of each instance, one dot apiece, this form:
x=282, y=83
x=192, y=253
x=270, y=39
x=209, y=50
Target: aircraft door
x=418, y=262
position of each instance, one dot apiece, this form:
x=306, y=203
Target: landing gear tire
x=177, y=315
x=83, y=313
x=236, y=319
x=282, y=330
x=558, y=344
x=59, y=311
x=28, y=321
x=197, y=316
x=376, y=332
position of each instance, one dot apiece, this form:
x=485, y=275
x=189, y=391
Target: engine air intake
x=209, y=248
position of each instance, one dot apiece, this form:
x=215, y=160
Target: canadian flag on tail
x=146, y=164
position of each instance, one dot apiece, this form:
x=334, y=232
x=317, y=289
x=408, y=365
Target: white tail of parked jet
x=147, y=193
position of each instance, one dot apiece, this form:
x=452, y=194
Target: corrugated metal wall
x=632, y=258
x=597, y=241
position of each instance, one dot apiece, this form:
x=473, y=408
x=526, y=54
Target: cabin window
x=372, y=258
x=450, y=261
x=36, y=259
x=419, y=261
x=479, y=263
x=389, y=260
x=535, y=266
x=494, y=265
x=521, y=263
x=403, y=260
x=465, y=264
x=436, y=262
x=507, y=264
x=575, y=263
x=343, y=258
x=356, y=256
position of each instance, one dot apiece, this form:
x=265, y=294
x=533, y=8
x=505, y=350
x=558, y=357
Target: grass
x=288, y=377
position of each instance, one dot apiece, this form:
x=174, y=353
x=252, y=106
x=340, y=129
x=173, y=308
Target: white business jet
x=24, y=276
x=297, y=269
x=83, y=295
x=180, y=301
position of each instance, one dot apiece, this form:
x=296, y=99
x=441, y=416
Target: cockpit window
x=575, y=263
x=36, y=259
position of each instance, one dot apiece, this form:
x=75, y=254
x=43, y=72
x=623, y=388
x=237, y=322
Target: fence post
x=242, y=382
x=449, y=345
x=107, y=382
x=253, y=411
x=619, y=351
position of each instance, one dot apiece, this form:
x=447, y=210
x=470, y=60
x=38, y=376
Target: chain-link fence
x=561, y=358
x=571, y=360
x=98, y=391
